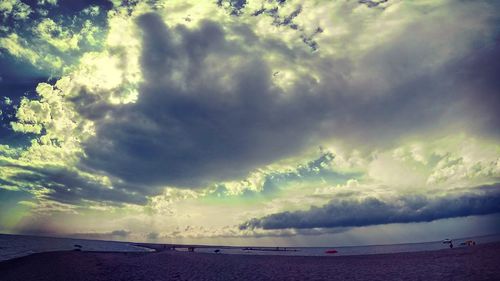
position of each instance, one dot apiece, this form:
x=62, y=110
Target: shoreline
x=343, y=250
x=158, y=248
x=478, y=262
x=297, y=251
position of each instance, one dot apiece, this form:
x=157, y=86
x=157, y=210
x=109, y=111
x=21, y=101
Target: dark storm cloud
x=374, y=211
x=192, y=133
x=67, y=186
x=402, y=90
x=194, y=123
x=478, y=84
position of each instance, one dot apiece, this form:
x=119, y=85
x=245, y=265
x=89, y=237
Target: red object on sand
x=331, y=252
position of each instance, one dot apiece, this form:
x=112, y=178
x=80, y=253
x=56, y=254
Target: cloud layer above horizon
x=246, y=118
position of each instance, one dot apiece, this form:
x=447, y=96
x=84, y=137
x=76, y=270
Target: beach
x=480, y=262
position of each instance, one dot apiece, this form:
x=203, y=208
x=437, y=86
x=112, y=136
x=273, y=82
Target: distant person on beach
x=451, y=245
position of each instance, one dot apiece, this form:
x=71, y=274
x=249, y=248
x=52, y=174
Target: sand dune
x=481, y=262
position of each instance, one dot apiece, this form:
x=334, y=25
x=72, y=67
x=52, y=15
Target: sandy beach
x=481, y=262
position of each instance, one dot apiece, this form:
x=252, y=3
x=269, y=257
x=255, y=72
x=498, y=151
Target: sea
x=13, y=246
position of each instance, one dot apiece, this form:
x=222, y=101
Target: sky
x=242, y=122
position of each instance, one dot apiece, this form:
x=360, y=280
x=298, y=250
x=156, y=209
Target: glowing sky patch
x=249, y=122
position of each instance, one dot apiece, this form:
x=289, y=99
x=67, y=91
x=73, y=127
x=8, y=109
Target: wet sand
x=480, y=262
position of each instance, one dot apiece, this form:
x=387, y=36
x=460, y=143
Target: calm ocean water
x=13, y=246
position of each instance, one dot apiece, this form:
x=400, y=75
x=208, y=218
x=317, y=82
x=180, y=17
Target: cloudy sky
x=285, y=122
